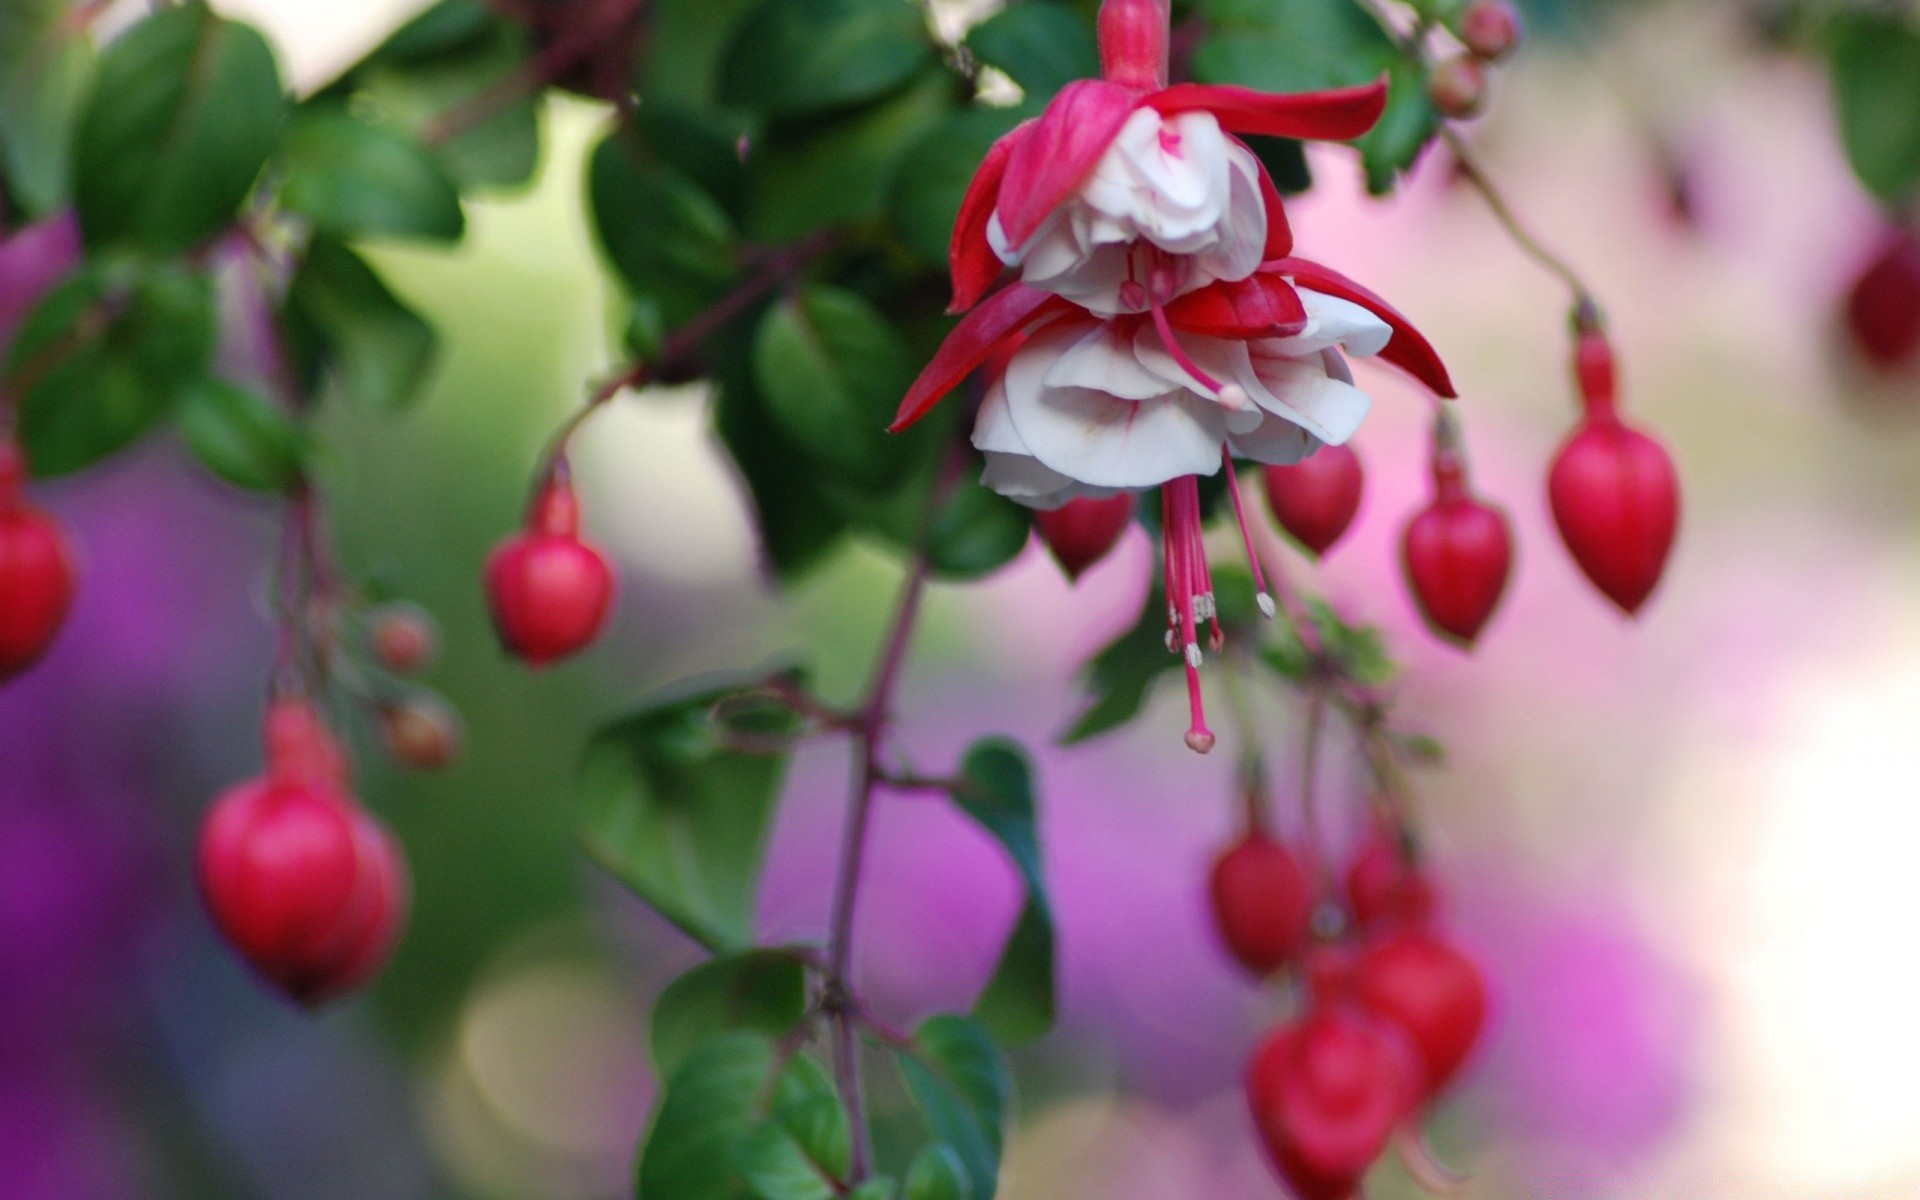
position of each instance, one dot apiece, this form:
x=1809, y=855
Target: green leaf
x=792, y=58
x=416, y=91
x=345, y=321
x=682, y=56
x=1018, y=1003
x=44, y=64
x=1121, y=676
x=185, y=109
x=712, y=1105
x=1042, y=46
x=1875, y=61
x=934, y=175
x=666, y=237
x=98, y=362
x=762, y=991
x=352, y=179
x=977, y=532
x=448, y=25
x=241, y=437
x=838, y=170
x=937, y=1174
x=803, y=1150
x=679, y=818
x=796, y=521
x=959, y=1081
x=880, y=1187
x=1308, y=45
x=833, y=370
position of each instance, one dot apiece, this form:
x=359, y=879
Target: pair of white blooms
x=1088, y=408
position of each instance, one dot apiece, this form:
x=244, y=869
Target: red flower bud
x=1261, y=903
x=310, y=889
x=301, y=748
x=1432, y=991
x=1327, y=1093
x=421, y=732
x=1082, y=532
x=1883, y=309
x=1458, y=87
x=1490, y=29
x=1315, y=500
x=1616, y=499
x=549, y=591
x=403, y=639
x=36, y=572
x=1134, y=37
x=1457, y=553
x=1385, y=888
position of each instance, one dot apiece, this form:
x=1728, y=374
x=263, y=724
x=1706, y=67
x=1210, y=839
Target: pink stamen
x=1179, y=353
x=1186, y=563
x=1265, y=597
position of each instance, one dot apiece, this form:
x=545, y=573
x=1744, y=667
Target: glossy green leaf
x=1018, y=1004
x=803, y=1149
x=796, y=521
x=959, y=1081
x=677, y=816
x=937, y=1174
x=667, y=237
x=880, y=1187
x=347, y=324
x=184, y=110
x=44, y=66
x=976, y=532
x=98, y=362
x=761, y=991
x=680, y=62
x=712, y=1105
x=447, y=26
x=241, y=437
x=352, y=179
x=489, y=143
x=833, y=370
x=839, y=169
x=1120, y=677
x=1042, y=45
x=792, y=58
x=934, y=175
x=1874, y=57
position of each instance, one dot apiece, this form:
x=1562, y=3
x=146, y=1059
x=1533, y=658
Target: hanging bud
x=1883, y=308
x=1315, y=499
x=1613, y=490
x=1134, y=37
x=1458, y=87
x=1082, y=532
x=1328, y=1091
x=36, y=571
x=403, y=638
x=1458, y=551
x=549, y=591
x=1384, y=885
x=1261, y=903
x=421, y=732
x=306, y=886
x=1432, y=991
x=1490, y=29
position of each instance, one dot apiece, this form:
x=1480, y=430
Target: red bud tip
x=1082, y=532
x=37, y=581
x=556, y=510
x=1616, y=500
x=13, y=473
x=1490, y=29
x=549, y=594
x=422, y=732
x=1316, y=499
x=1261, y=903
x=1458, y=87
x=403, y=639
x=1432, y=991
x=1595, y=371
x=1457, y=552
x=1134, y=36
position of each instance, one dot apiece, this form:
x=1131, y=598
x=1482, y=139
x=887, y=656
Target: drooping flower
x=1161, y=326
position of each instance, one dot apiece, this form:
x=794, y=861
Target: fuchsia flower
x=1161, y=326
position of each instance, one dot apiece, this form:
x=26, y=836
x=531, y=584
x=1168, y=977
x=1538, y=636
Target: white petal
x=1224, y=359
x=993, y=430
x=1332, y=321
x=1019, y=477
x=1103, y=359
x=1276, y=442
x=1302, y=391
x=1096, y=438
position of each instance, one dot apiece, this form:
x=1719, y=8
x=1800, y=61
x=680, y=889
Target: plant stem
x=1474, y=173
x=868, y=775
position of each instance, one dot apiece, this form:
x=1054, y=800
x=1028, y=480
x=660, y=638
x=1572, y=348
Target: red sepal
x=1057, y=155
x=974, y=264
x=1279, y=232
x=1332, y=116
x=1261, y=305
x=1003, y=315
x=1408, y=350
